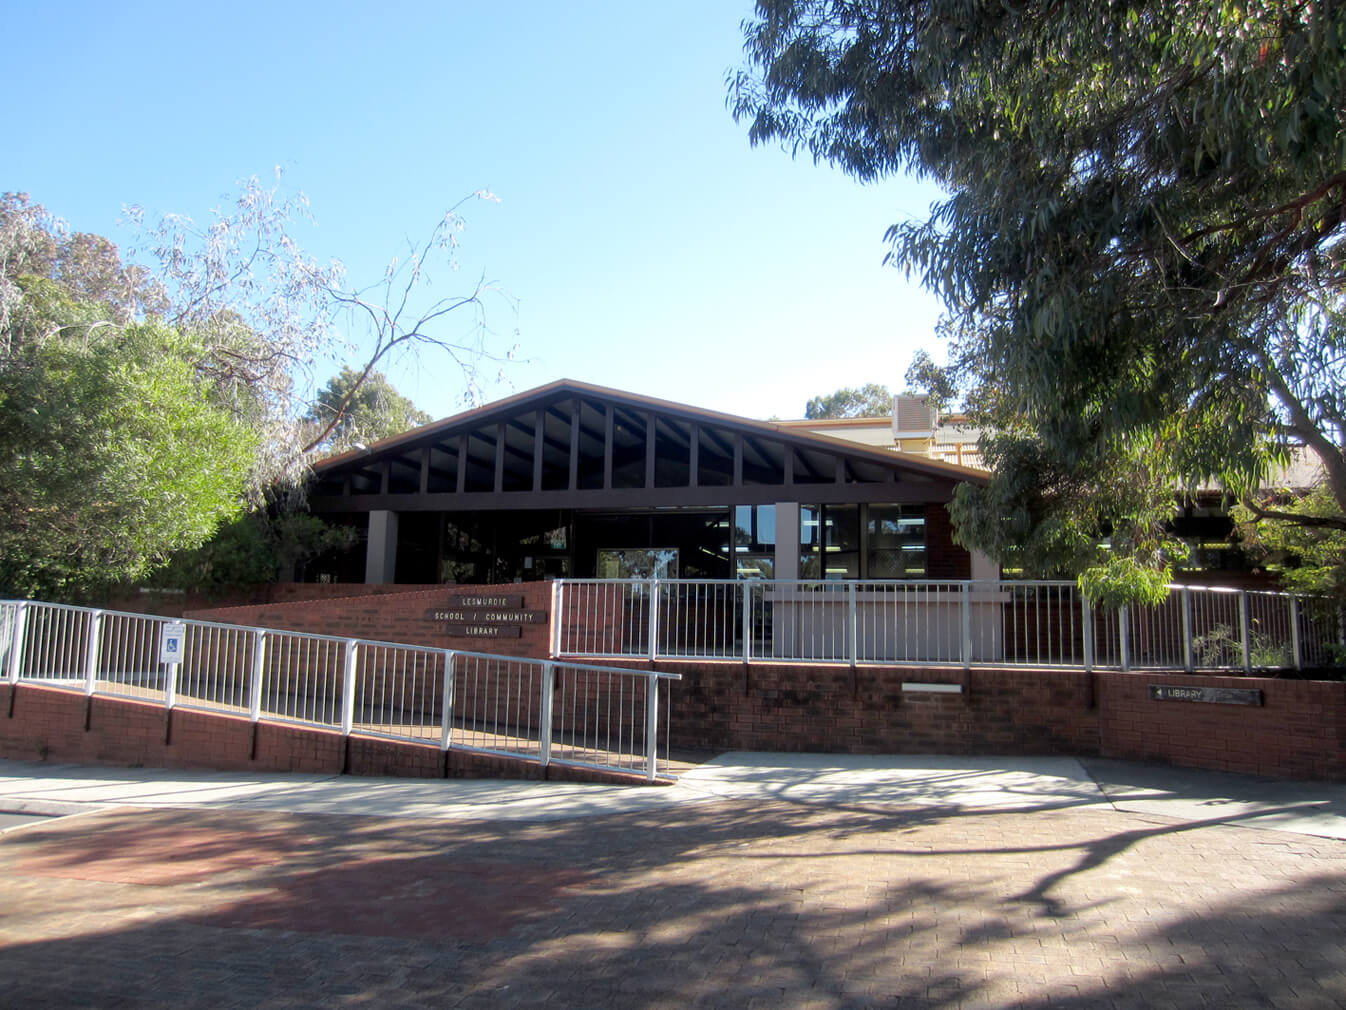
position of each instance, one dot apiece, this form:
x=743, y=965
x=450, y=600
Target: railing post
x=1187, y=663
x=653, y=623
x=1296, y=646
x=1243, y=631
x=651, y=726
x=258, y=673
x=92, y=650
x=1124, y=636
x=171, y=686
x=747, y=620
x=852, y=629
x=7, y=614
x=967, y=624
x=446, y=708
x=16, y=642
x=348, y=686
x=1087, y=640
x=558, y=598
x=545, y=730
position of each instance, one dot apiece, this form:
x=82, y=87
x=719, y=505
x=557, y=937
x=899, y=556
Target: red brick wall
x=828, y=708
x=398, y=617
x=172, y=604
x=1299, y=730
x=943, y=558
x=45, y=724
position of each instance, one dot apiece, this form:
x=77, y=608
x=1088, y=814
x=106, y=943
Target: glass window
x=638, y=563
x=841, y=542
x=810, y=541
x=862, y=541
x=755, y=566
x=895, y=542
x=754, y=544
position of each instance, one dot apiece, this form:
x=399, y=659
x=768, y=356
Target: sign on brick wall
x=485, y=616
x=1209, y=695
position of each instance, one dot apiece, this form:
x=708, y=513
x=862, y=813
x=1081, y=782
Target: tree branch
x=1295, y=518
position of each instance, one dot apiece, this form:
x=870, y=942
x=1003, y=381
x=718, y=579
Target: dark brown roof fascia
x=564, y=388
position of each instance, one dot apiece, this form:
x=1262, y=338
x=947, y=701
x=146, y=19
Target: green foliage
x=142, y=407
x=871, y=400
x=1265, y=653
x=87, y=267
x=355, y=407
x=1143, y=250
x=1221, y=647
x=255, y=548
x=114, y=452
x=925, y=377
x=1309, y=559
x=1123, y=580
x=1103, y=519
x=1218, y=647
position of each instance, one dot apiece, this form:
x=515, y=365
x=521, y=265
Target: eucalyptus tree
x=1142, y=247
x=269, y=314
x=144, y=402
x=360, y=407
x=870, y=400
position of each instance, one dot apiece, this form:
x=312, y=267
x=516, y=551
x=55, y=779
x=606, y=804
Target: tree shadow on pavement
x=710, y=904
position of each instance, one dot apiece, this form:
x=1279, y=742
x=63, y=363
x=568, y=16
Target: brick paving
x=716, y=904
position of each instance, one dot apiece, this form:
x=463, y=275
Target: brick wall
x=1298, y=732
x=397, y=617
x=46, y=724
x=943, y=558
x=174, y=604
x=790, y=707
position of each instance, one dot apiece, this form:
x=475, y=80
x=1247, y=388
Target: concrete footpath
x=758, y=880
x=948, y=784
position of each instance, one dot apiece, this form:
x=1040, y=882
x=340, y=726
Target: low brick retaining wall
x=48, y=724
x=1298, y=730
x=791, y=707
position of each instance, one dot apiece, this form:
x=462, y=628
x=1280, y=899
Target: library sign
x=485, y=616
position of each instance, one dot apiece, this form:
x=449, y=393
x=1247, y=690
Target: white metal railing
x=955, y=622
x=542, y=710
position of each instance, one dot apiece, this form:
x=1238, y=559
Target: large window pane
x=841, y=542
x=754, y=549
x=895, y=542
x=638, y=563
x=810, y=541
x=883, y=541
x=829, y=541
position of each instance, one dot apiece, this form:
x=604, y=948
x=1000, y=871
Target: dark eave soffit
x=524, y=444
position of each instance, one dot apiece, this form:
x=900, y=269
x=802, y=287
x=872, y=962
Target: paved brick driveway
x=725, y=904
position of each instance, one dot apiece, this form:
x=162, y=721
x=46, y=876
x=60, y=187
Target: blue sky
x=647, y=245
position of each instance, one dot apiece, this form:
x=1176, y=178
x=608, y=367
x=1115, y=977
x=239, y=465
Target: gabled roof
x=574, y=444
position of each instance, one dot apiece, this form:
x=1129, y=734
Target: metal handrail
x=922, y=622
x=546, y=710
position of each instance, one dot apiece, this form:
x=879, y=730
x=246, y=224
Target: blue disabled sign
x=172, y=643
